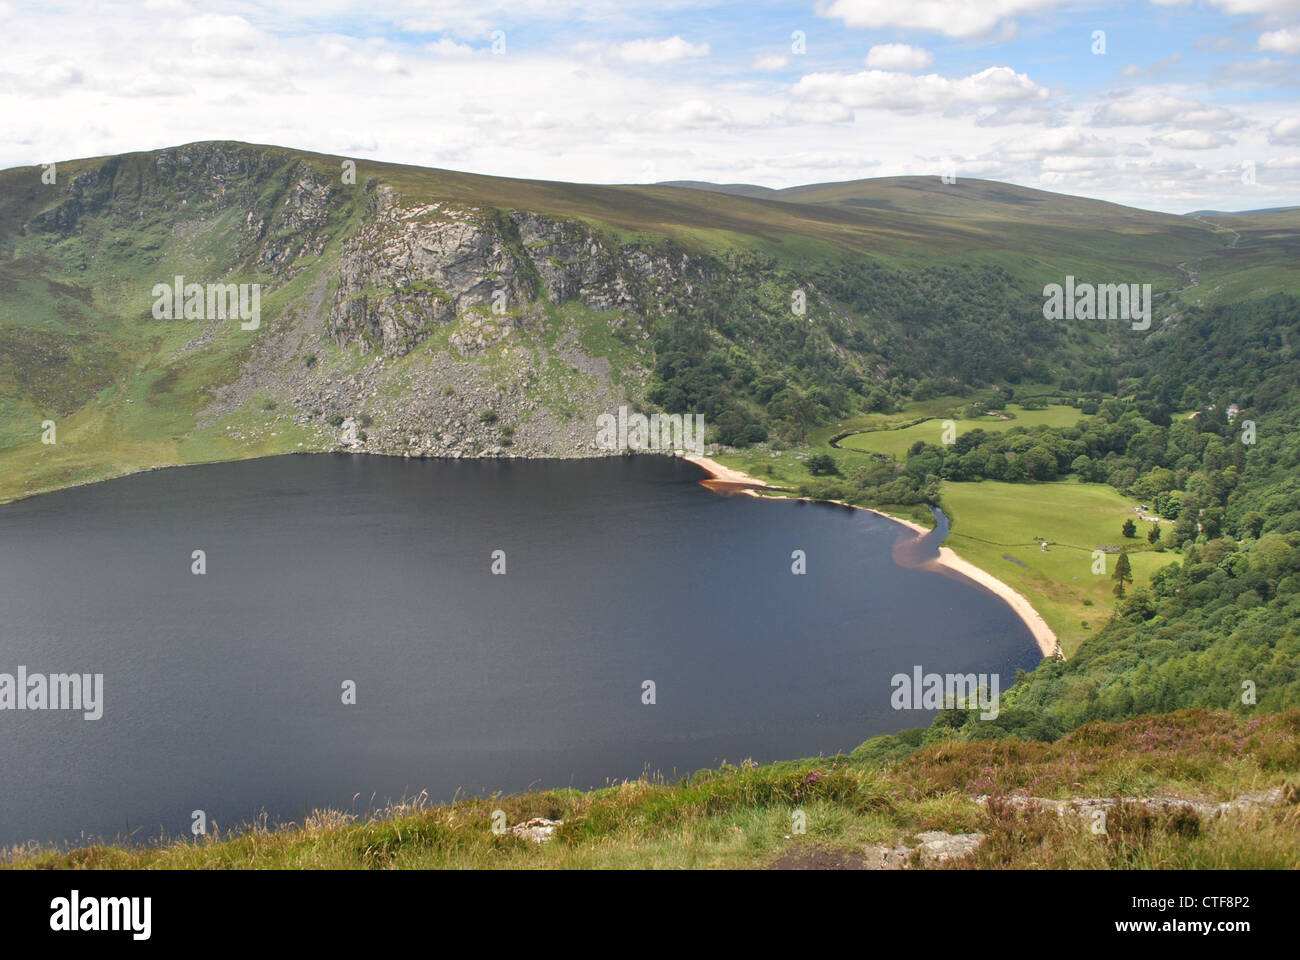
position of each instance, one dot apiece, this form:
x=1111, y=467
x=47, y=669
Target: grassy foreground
x=884, y=793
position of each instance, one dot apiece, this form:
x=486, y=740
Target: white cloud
x=1285, y=131
x=1285, y=41
x=802, y=111
x=1071, y=164
x=660, y=51
x=770, y=62
x=1068, y=141
x=449, y=48
x=1193, y=140
x=1035, y=113
x=213, y=33
x=1236, y=7
x=1163, y=109
x=690, y=115
x=953, y=18
x=898, y=56
x=902, y=91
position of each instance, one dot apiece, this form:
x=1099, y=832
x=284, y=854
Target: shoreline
x=727, y=480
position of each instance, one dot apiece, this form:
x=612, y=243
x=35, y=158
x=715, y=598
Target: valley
x=877, y=343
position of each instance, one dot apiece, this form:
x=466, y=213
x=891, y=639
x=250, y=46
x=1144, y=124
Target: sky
x=1173, y=105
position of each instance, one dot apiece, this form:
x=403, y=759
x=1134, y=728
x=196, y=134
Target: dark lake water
x=223, y=692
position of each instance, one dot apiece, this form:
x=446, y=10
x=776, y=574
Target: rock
x=1084, y=806
x=348, y=433
x=939, y=847
x=538, y=829
x=935, y=847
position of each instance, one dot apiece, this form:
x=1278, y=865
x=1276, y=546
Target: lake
x=223, y=692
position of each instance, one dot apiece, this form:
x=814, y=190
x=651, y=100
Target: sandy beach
x=726, y=480
x=724, y=474
x=1043, y=634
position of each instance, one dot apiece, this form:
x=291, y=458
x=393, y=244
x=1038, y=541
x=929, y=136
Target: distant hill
x=439, y=313
x=735, y=189
x=1239, y=213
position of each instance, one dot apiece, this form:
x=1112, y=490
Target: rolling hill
x=379, y=328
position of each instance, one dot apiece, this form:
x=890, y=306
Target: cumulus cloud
x=803, y=111
x=898, y=56
x=1163, y=109
x=953, y=18
x=1285, y=131
x=690, y=115
x=1192, y=140
x=449, y=48
x=660, y=51
x=1069, y=141
x=1034, y=113
x=1285, y=41
x=906, y=92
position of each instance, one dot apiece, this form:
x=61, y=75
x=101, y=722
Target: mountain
x=429, y=312
x=735, y=189
x=1239, y=213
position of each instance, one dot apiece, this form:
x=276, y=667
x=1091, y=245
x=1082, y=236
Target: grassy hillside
x=853, y=811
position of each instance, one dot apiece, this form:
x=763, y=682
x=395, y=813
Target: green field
x=895, y=442
x=999, y=528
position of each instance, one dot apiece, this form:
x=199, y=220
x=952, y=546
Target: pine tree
x=1123, y=573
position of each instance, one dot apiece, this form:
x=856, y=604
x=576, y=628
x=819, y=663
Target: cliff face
x=403, y=311
x=413, y=267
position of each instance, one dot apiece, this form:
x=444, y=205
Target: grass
x=894, y=442
x=742, y=817
x=999, y=528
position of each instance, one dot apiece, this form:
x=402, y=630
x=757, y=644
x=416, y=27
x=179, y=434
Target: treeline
x=733, y=348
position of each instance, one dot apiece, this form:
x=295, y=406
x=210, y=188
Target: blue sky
x=1187, y=105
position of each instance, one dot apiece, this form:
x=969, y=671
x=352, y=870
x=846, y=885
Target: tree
x=1212, y=522
x=1039, y=463
x=1250, y=525
x=1123, y=573
x=821, y=465
x=1129, y=529
x=1153, y=535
